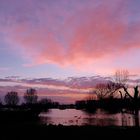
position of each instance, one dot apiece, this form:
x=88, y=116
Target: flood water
x=81, y=117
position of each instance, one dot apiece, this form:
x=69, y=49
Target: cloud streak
x=65, y=91
x=70, y=83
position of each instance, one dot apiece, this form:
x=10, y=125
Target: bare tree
x=30, y=96
x=106, y=90
x=11, y=98
x=121, y=77
x=118, y=84
x=101, y=91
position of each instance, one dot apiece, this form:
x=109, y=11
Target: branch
x=121, y=94
x=125, y=89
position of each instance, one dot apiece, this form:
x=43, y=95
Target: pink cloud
x=81, y=37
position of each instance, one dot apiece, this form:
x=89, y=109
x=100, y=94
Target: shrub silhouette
x=30, y=96
x=11, y=98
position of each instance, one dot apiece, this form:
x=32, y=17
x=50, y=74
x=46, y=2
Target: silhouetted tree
x=11, y=98
x=134, y=96
x=106, y=90
x=45, y=101
x=30, y=96
x=121, y=78
x=101, y=91
x=0, y=102
x=91, y=97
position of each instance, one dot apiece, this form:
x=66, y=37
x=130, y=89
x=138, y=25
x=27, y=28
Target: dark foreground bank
x=33, y=131
x=24, y=124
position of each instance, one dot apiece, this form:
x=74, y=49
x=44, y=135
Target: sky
x=58, y=39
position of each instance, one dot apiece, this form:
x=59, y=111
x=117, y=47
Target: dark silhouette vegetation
x=113, y=95
x=30, y=96
x=13, y=111
x=11, y=98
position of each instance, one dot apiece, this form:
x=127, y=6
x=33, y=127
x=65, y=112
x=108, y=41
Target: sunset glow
x=65, y=47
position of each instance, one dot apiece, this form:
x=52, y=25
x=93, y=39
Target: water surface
x=81, y=117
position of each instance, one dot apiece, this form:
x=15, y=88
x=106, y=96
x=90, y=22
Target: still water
x=81, y=117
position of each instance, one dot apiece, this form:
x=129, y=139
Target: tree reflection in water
x=97, y=118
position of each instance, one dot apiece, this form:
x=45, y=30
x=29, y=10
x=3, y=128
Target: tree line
x=12, y=98
x=118, y=87
x=30, y=98
x=114, y=93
